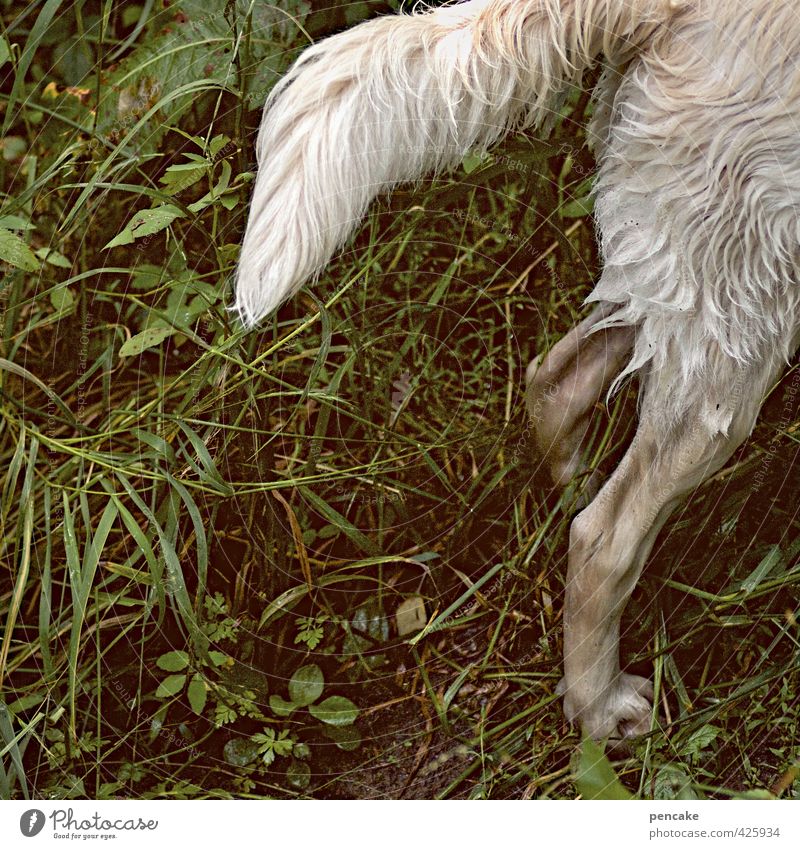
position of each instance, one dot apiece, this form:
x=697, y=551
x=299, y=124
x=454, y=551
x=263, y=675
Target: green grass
x=191, y=514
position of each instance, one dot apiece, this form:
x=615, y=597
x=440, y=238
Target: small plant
x=336, y=713
x=218, y=624
x=310, y=630
x=193, y=674
x=178, y=663
x=305, y=688
x=255, y=755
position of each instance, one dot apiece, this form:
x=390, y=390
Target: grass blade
x=37, y=32
x=81, y=589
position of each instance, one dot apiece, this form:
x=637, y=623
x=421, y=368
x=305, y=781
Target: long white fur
x=396, y=98
x=698, y=191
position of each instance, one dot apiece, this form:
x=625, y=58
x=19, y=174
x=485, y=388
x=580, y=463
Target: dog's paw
x=633, y=705
x=622, y=712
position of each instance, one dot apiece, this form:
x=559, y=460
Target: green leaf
x=595, y=777
x=218, y=658
x=198, y=693
x=772, y=559
x=673, y=782
x=301, y=750
x=61, y=299
x=335, y=518
x=20, y=371
x=240, y=751
x=298, y=775
x=72, y=59
x=5, y=51
x=173, y=661
x=425, y=557
x=578, y=208
x=175, y=581
x=131, y=14
x=130, y=772
x=147, y=276
x=15, y=252
x=280, y=707
x=369, y=618
x=146, y=223
x=269, y=746
x=146, y=339
x=700, y=740
x=82, y=581
x=179, y=177
x=223, y=715
x=472, y=161
x=15, y=222
x=170, y=686
x=215, y=193
x=207, y=468
x=346, y=737
x=52, y=257
x=306, y=685
x=335, y=710
x=283, y=744
x=310, y=634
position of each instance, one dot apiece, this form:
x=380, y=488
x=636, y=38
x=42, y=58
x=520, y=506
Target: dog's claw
x=622, y=713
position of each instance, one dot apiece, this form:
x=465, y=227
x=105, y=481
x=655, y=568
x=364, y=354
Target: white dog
x=697, y=132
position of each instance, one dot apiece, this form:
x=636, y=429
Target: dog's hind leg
x=563, y=390
x=611, y=539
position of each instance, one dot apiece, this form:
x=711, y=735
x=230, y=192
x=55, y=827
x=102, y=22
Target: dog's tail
x=398, y=97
